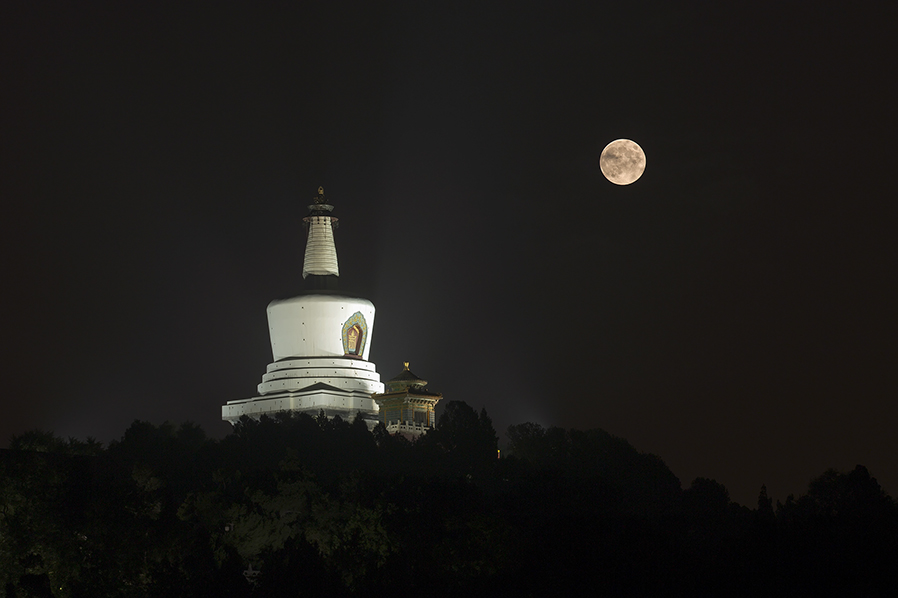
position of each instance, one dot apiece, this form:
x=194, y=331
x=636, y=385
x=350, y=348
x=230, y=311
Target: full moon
x=622, y=162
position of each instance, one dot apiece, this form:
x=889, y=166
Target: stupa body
x=320, y=341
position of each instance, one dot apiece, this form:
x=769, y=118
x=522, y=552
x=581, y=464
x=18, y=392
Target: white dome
x=316, y=325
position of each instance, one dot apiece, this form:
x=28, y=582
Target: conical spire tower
x=320, y=259
x=320, y=340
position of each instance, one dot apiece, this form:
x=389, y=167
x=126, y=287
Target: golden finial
x=405, y=364
x=320, y=199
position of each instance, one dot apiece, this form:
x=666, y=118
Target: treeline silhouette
x=301, y=506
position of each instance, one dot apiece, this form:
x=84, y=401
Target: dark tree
x=466, y=440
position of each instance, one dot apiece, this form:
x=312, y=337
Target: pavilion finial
x=405, y=365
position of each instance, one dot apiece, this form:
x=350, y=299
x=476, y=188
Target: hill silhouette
x=296, y=505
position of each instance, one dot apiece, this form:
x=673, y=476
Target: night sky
x=733, y=311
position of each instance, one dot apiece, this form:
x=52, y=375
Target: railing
x=413, y=426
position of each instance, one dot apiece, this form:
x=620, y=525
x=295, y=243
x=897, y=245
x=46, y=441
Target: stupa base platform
x=311, y=400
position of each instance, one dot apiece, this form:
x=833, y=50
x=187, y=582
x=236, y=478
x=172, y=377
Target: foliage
x=296, y=505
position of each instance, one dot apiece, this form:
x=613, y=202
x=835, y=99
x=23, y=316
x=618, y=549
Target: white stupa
x=320, y=340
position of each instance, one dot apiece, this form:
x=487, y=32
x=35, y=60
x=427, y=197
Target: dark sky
x=733, y=311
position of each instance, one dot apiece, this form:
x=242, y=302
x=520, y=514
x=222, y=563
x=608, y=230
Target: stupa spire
x=321, y=253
